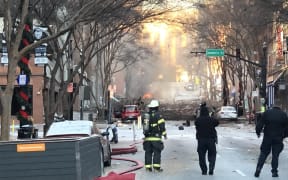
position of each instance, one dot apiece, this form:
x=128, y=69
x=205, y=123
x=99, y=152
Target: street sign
x=214, y=52
x=22, y=79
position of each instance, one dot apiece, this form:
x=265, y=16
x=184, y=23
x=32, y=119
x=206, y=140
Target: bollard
x=134, y=132
x=13, y=126
x=139, y=122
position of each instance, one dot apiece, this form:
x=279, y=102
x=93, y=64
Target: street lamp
x=263, y=72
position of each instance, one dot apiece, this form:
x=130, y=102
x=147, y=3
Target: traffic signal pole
x=23, y=79
x=264, y=72
x=262, y=65
x=231, y=55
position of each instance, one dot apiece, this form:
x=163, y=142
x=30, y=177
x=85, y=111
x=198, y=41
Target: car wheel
x=108, y=162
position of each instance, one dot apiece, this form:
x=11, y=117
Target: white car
x=226, y=112
x=189, y=87
x=81, y=128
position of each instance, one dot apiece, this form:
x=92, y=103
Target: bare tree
x=102, y=45
x=234, y=24
x=64, y=19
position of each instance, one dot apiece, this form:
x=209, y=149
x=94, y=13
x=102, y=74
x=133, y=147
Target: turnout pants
x=205, y=145
x=270, y=144
x=153, y=153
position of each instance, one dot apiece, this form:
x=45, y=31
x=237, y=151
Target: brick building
x=36, y=82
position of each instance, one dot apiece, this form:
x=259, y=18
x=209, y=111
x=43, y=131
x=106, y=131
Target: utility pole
x=70, y=72
x=81, y=95
x=109, y=106
x=263, y=72
x=23, y=95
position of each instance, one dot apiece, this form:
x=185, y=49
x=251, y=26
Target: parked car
x=226, y=113
x=81, y=128
x=130, y=112
x=117, y=113
x=189, y=87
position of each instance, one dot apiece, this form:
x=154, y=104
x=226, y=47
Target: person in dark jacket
x=206, y=136
x=273, y=123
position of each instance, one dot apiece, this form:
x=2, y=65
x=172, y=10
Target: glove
x=258, y=135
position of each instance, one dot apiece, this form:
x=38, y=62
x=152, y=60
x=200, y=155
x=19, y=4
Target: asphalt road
x=238, y=150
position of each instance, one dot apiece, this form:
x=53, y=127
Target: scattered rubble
x=178, y=111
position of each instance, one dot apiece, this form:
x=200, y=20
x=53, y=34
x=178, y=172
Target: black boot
x=158, y=169
x=149, y=169
x=275, y=174
x=257, y=172
x=211, y=169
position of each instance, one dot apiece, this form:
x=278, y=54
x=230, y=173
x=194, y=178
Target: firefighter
x=153, y=129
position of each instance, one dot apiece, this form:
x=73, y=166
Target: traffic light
x=238, y=54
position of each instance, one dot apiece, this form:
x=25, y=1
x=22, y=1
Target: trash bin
x=35, y=133
x=28, y=131
x=240, y=110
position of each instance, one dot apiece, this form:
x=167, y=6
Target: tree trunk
x=46, y=108
x=6, y=116
x=225, y=93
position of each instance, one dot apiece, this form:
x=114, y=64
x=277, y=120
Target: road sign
x=22, y=79
x=214, y=52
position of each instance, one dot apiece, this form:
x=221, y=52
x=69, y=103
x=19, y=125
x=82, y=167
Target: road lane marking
x=240, y=172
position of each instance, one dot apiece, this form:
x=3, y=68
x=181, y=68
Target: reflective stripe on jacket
x=262, y=110
x=152, y=139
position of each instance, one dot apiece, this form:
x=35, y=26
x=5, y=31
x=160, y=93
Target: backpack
x=146, y=123
x=148, y=129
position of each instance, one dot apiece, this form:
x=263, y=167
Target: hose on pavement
x=124, y=175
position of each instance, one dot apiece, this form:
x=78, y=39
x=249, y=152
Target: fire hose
x=123, y=175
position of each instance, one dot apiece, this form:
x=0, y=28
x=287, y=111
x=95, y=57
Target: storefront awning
x=272, y=79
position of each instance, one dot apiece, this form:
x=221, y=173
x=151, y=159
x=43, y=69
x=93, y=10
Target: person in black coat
x=206, y=136
x=273, y=123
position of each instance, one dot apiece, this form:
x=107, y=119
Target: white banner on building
x=41, y=55
x=41, y=51
x=4, y=55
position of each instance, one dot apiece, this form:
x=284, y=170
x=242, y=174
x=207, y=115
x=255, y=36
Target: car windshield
x=228, y=108
x=130, y=108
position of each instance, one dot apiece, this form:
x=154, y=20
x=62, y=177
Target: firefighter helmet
x=153, y=103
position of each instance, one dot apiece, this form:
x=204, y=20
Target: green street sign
x=214, y=52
